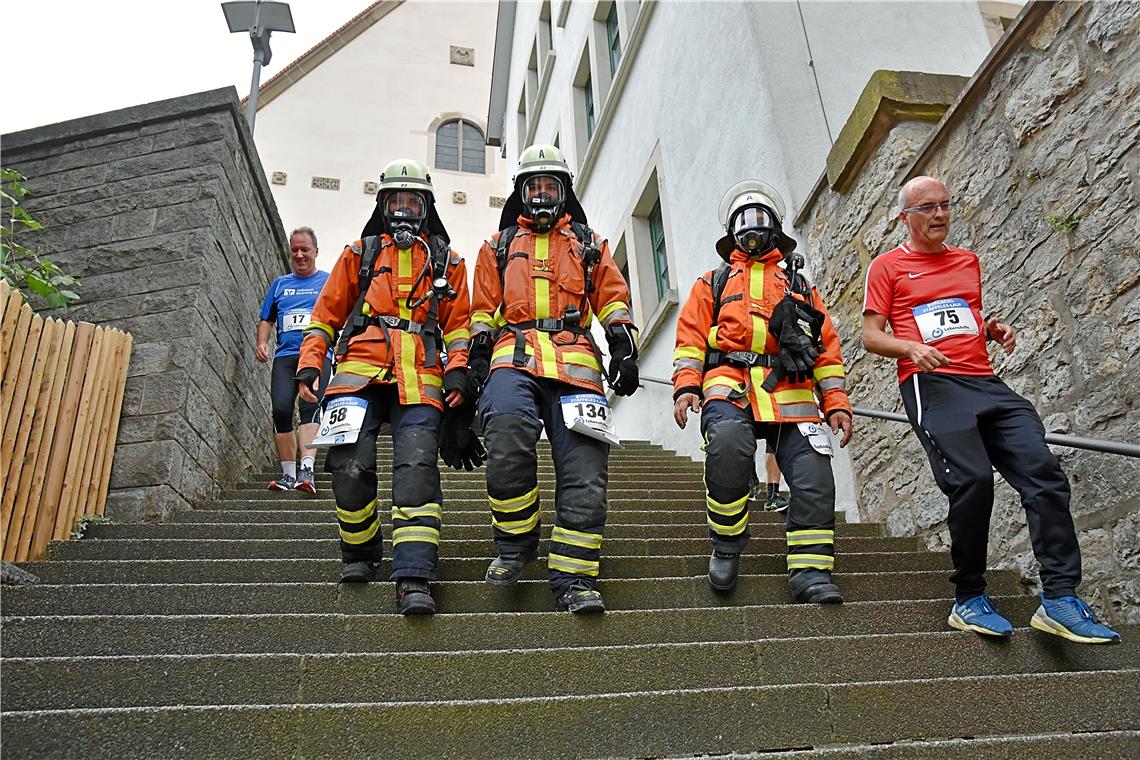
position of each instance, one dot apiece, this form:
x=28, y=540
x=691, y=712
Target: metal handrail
x=1058, y=439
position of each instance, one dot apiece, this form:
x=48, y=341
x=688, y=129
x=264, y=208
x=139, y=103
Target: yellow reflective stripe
x=482, y=318
x=729, y=530
x=404, y=272
x=610, y=308
x=432, y=380
x=829, y=370
x=361, y=537
x=586, y=360
x=713, y=338
x=689, y=352
x=406, y=341
x=518, y=526
x=509, y=350
x=572, y=565
x=756, y=293
x=415, y=533
x=576, y=538
x=410, y=513
x=515, y=504
x=721, y=380
x=795, y=396
x=357, y=516
x=541, y=285
x=816, y=561
x=728, y=510
x=764, y=407
x=362, y=368
x=326, y=329
x=808, y=537
x=549, y=354
x=461, y=333
x=366, y=309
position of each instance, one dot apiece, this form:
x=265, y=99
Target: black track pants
x=969, y=427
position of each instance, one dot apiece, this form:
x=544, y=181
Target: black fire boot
x=814, y=587
x=723, y=570
x=413, y=597
x=361, y=571
x=506, y=569
x=581, y=599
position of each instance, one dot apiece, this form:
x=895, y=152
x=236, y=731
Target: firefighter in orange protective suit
x=399, y=296
x=757, y=356
x=539, y=284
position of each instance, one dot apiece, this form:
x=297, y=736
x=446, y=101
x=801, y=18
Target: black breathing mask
x=756, y=230
x=405, y=212
x=543, y=197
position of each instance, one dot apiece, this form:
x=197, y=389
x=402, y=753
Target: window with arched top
x=460, y=146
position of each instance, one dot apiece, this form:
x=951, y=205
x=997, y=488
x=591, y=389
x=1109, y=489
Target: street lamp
x=260, y=19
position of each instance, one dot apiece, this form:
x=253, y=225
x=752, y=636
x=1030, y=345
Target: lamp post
x=260, y=19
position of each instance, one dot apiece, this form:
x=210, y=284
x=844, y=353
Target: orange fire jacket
x=544, y=276
x=754, y=286
x=370, y=357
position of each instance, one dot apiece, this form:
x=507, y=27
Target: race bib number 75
x=943, y=318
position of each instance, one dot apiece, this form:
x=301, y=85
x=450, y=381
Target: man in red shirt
x=968, y=421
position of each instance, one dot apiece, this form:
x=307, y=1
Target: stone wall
x=1039, y=154
x=163, y=212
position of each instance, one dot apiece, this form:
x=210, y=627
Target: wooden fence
x=63, y=386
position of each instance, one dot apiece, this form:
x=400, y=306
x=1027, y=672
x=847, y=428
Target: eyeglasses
x=929, y=208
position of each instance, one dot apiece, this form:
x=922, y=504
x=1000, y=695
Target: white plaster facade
x=705, y=94
x=378, y=98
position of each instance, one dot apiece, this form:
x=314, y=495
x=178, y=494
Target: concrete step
x=325, y=548
x=453, y=596
x=60, y=683
x=452, y=569
x=468, y=502
x=477, y=491
x=636, y=724
x=319, y=633
x=645, y=479
x=1107, y=745
x=473, y=530
x=454, y=513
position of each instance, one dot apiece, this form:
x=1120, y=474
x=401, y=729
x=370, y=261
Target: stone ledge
x=889, y=98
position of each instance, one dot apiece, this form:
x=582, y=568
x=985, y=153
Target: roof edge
x=501, y=71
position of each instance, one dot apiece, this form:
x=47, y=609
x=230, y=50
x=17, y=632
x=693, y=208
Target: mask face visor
x=542, y=190
x=406, y=206
x=753, y=218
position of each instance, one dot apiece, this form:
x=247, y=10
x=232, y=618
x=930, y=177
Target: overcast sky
x=70, y=58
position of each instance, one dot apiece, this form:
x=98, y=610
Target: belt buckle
x=549, y=324
x=389, y=320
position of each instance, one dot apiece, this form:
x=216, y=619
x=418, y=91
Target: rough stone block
x=146, y=464
x=150, y=504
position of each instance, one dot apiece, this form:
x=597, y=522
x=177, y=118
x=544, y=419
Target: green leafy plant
x=84, y=521
x=22, y=267
x=1063, y=222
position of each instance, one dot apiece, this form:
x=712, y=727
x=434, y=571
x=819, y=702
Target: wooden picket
x=63, y=387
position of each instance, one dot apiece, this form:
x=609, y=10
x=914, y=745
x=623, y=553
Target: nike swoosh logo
x=915, y=276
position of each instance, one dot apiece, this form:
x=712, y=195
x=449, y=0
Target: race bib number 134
x=590, y=415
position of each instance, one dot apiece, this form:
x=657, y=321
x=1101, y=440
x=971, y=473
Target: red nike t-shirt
x=932, y=298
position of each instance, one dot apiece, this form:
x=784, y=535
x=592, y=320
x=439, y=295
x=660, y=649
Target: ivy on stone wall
x=21, y=266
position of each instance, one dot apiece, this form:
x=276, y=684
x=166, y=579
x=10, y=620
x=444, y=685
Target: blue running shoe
x=977, y=614
x=1070, y=618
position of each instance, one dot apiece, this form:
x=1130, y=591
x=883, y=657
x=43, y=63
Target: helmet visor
x=405, y=205
x=542, y=190
x=752, y=218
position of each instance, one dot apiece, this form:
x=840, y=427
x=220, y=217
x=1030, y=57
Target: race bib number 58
x=341, y=421
x=943, y=318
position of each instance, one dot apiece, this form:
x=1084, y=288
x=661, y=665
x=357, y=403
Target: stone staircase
x=224, y=634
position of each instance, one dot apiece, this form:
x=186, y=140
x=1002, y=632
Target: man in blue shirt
x=287, y=308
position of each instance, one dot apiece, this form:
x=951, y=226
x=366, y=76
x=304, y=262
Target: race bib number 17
x=944, y=318
x=294, y=320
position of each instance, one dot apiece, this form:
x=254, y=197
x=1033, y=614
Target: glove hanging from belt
x=797, y=327
x=459, y=446
x=478, y=365
x=623, y=375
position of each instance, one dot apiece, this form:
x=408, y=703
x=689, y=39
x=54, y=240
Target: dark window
x=589, y=91
x=614, y=38
x=657, y=239
x=452, y=143
x=625, y=276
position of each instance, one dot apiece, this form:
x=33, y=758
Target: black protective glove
x=623, y=375
x=459, y=447
x=478, y=364
x=307, y=376
x=797, y=328
x=455, y=380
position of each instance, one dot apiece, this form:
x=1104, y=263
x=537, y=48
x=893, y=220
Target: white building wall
x=715, y=93
x=378, y=99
